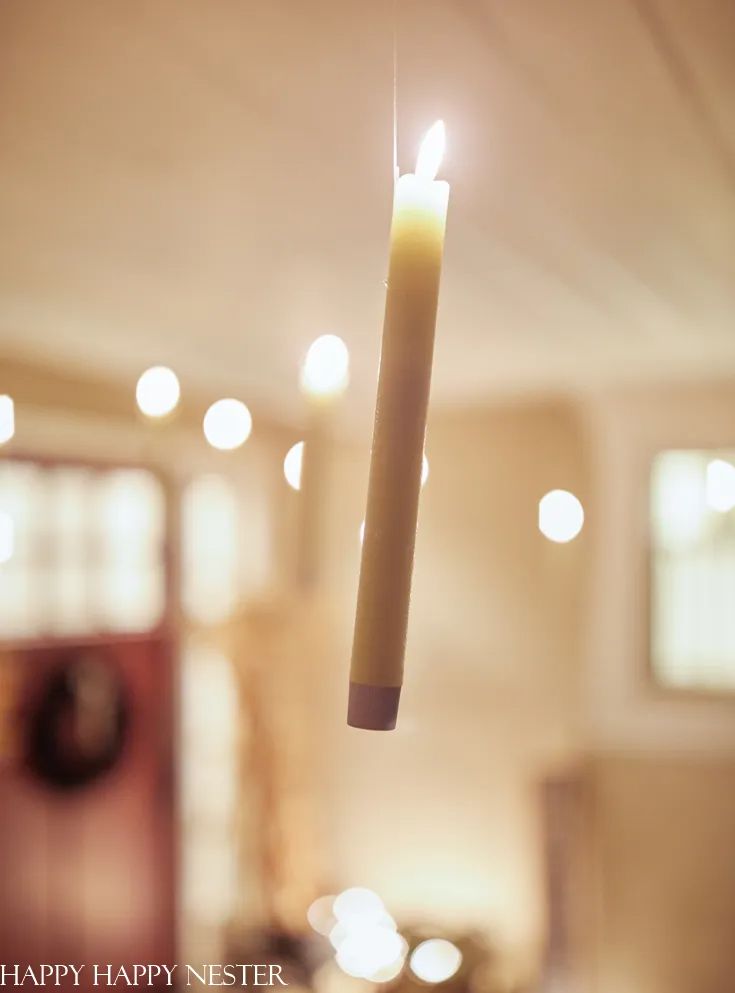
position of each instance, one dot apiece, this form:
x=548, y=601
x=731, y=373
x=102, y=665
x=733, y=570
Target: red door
x=87, y=840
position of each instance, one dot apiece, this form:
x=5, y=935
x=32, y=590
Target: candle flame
x=431, y=151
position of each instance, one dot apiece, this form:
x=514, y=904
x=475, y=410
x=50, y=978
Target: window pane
x=81, y=550
x=693, y=569
x=22, y=593
x=69, y=491
x=129, y=592
x=210, y=538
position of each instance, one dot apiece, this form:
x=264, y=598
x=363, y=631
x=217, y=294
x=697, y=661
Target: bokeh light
x=362, y=532
x=320, y=915
x=560, y=516
x=720, y=485
x=7, y=418
x=227, y=424
x=365, y=937
x=388, y=972
x=7, y=537
x=435, y=960
x=338, y=934
x=158, y=391
x=368, y=949
x=292, y=465
x=358, y=905
x=325, y=372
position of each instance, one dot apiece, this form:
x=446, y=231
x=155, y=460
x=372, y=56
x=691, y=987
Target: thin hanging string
x=395, y=91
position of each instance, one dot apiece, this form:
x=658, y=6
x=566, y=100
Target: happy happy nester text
x=141, y=975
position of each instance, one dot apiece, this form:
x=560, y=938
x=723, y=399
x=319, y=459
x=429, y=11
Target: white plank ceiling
x=207, y=183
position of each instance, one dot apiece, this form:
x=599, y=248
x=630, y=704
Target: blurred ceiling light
x=385, y=920
x=721, y=485
x=227, y=424
x=358, y=905
x=292, y=466
x=436, y=960
x=337, y=935
x=325, y=372
x=366, y=950
x=560, y=516
x=7, y=418
x=388, y=972
x=320, y=914
x=7, y=537
x=158, y=391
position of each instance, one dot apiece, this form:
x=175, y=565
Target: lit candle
x=416, y=247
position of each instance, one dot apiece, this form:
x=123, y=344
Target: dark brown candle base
x=373, y=708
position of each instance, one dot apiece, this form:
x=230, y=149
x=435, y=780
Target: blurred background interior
x=206, y=188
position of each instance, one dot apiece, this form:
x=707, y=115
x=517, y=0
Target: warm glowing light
x=158, y=391
x=320, y=915
x=338, y=934
x=326, y=369
x=560, y=516
x=362, y=532
x=431, y=152
x=435, y=960
x=292, y=466
x=7, y=418
x=678, y=499
x=366, y=950
x=210, y=548
x=227, y=424
x=388, y=972
x=7, y=537
x=357, y=906
x=329, y=978
x=721, y=485
x=365, y=937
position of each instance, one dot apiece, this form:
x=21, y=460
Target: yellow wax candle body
x=416, y=247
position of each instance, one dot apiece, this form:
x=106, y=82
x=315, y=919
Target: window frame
x=166, y=625
x=657, y=688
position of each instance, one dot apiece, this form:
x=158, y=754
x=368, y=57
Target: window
x=81, y=550
x=210, y=549
x=693, y=570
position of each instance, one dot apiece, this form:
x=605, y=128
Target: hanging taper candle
x=416, y=247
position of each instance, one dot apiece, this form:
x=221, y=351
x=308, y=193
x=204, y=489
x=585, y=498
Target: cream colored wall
x=663, y=803
x=440, y=817
x=663, y=829
x=522, y=655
